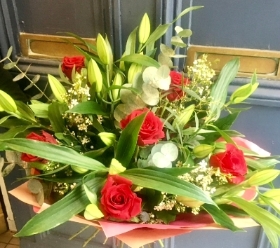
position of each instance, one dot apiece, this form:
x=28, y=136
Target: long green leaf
x=55, y=113
x=176, y=171
x=220, y=217
x=140, y=59
x=24, y=112
x=61, y=211
x=131, y=42
x=88, y=107
x=56, y=153
x=128, y=140
x=40, y=109
x=165, y=183
x=219, y=90
x=261, y=215
x=185, y=11
x=272, y=237
x=161, y=29
x=13, y=132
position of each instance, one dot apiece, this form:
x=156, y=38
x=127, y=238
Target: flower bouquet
x=137, y=148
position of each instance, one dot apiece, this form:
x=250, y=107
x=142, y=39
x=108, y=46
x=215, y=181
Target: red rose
x=151, y=130
x=175, y=90
x=232, y=162
x=45, y=137
x=68, y=64
x=118, y=200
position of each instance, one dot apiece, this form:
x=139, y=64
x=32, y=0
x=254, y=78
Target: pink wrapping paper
x=137, y=235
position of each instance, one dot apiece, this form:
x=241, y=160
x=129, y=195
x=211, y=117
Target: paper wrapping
x=137, y=235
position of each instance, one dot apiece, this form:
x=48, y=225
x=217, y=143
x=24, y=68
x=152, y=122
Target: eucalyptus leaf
x=19, y=77
x=34, y=80
x=9, y=52
x=37, y=96
x=10, y=65
x=8, y=169
x=13, y=157
x=177, y=41
x=161, y=29
x=35, y=186
x=167, y=51
x=185, y=33
x=40, y=198
x=165, y=60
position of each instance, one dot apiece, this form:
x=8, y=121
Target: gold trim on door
x=41, y=46
x=264, y=62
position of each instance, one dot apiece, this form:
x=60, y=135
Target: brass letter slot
x=48, y=46
x=264, y=62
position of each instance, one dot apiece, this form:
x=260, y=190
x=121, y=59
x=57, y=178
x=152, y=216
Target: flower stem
x=91, y=237
x=161, y=243
x=76, y=234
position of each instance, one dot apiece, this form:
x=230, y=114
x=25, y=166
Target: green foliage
x=52, y=152
x=128, y=140
x=219, y=90
x=166, y=183
x=61, y=211
x=84, y=113
x=220, y=217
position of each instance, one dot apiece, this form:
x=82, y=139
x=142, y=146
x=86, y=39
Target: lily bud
x=117, y=82
x=107, y=138
x=183, y=118
x=102, y=50
x=189, y=202
x=116, y=167
x=133, y=70
x=78, y=169
x=7, y=103
x=203, y=150
x=144, y=29
x=94, y=75
x=263, y=177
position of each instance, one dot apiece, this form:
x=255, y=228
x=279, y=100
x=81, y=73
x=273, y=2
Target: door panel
x=238, y=24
